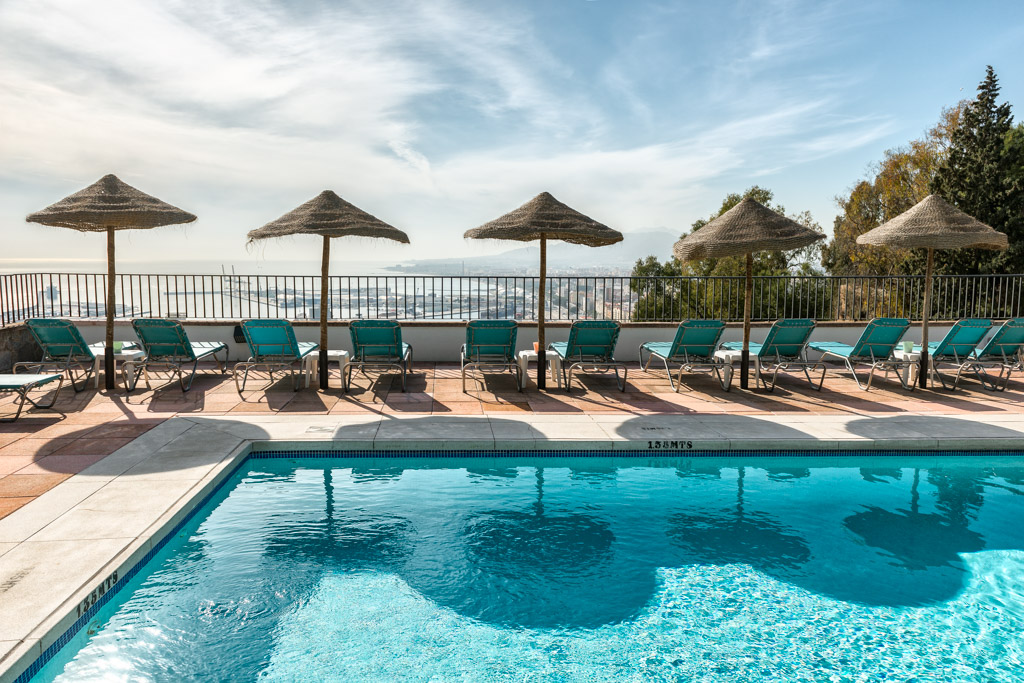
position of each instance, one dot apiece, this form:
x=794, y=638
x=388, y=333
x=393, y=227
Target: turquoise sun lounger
x=956, y=349
x=1005, y=350
x=874, y=350
x=377, y=344
x=64, y=350
x=590, y=348
x=783, y=350
x=959, y=349
x=167, y=346
x=490, y=347
x=272, y=346
x=693, y=348
x=22, y=384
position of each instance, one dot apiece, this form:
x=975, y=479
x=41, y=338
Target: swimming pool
x=547, y=568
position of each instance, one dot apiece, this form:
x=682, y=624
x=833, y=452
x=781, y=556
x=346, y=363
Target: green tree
x=1014, y=144
x=704, y=296
x=980, y=176
x=658, y=299
x=900, y=180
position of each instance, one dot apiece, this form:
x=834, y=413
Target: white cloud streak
x=240, y=110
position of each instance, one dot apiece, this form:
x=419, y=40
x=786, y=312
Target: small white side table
x=909, y=374
x=333, y=356
x=729, y=356
x=554, y=361
x=130, y=352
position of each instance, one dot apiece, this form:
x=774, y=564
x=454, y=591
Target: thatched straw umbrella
x=742, y=230
x=105, y=206
x=327, y=215
x=933, y=224
x=545, y=218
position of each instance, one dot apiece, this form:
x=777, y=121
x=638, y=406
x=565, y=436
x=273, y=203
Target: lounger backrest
x=270, y=339
x=787, y=338
x=1005, y=342
x=163, y=339
x=491, y=338
x=376, y=339
x=59, y=339
x=963, y=337
x=880, y=337
x=592, y=339
x=697, y=338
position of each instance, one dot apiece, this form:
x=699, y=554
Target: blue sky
x=437, y=116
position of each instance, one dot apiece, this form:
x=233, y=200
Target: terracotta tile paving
x=90, y=446
x=120, y=431
x=344, y=407
x=457, y=408
x=35, y=447
x=9, y=505
x=45, y=447
x=25, y=485
x=9, y=464
x=61, y=429
x=60, y=464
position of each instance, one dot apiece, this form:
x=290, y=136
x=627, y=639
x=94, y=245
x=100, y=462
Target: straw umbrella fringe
x=742, y=230
x=545, y=218
x=328, y=216
x=933, y=224
x=106, y=206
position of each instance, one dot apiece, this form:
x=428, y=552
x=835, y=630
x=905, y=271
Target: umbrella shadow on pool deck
x=958, y=430
x=682, y=432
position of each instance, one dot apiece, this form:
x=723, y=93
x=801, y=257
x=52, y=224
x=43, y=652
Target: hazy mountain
x=561, y=257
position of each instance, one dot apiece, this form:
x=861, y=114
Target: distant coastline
x=563, y=259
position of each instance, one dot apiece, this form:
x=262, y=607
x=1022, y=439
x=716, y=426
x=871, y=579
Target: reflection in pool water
x=580, y=569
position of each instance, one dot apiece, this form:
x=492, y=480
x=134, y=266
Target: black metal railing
x=424, y=297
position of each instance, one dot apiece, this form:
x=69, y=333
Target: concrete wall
x=440, y=341
x=16, y=344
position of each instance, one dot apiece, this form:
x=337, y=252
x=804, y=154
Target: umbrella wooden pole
x=108, y=350
x=922, y=372
x=542, y=358
x=325, y=267
x=748, y=296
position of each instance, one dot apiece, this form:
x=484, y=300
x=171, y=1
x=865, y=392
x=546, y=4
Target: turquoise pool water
x=548, y=569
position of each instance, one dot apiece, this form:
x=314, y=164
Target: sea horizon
x=200, y=266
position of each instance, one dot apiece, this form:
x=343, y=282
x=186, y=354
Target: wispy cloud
x=436, y=115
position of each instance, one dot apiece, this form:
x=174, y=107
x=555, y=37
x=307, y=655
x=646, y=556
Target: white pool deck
x=63, y=550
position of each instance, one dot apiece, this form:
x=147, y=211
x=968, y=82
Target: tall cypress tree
x=977, y=178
